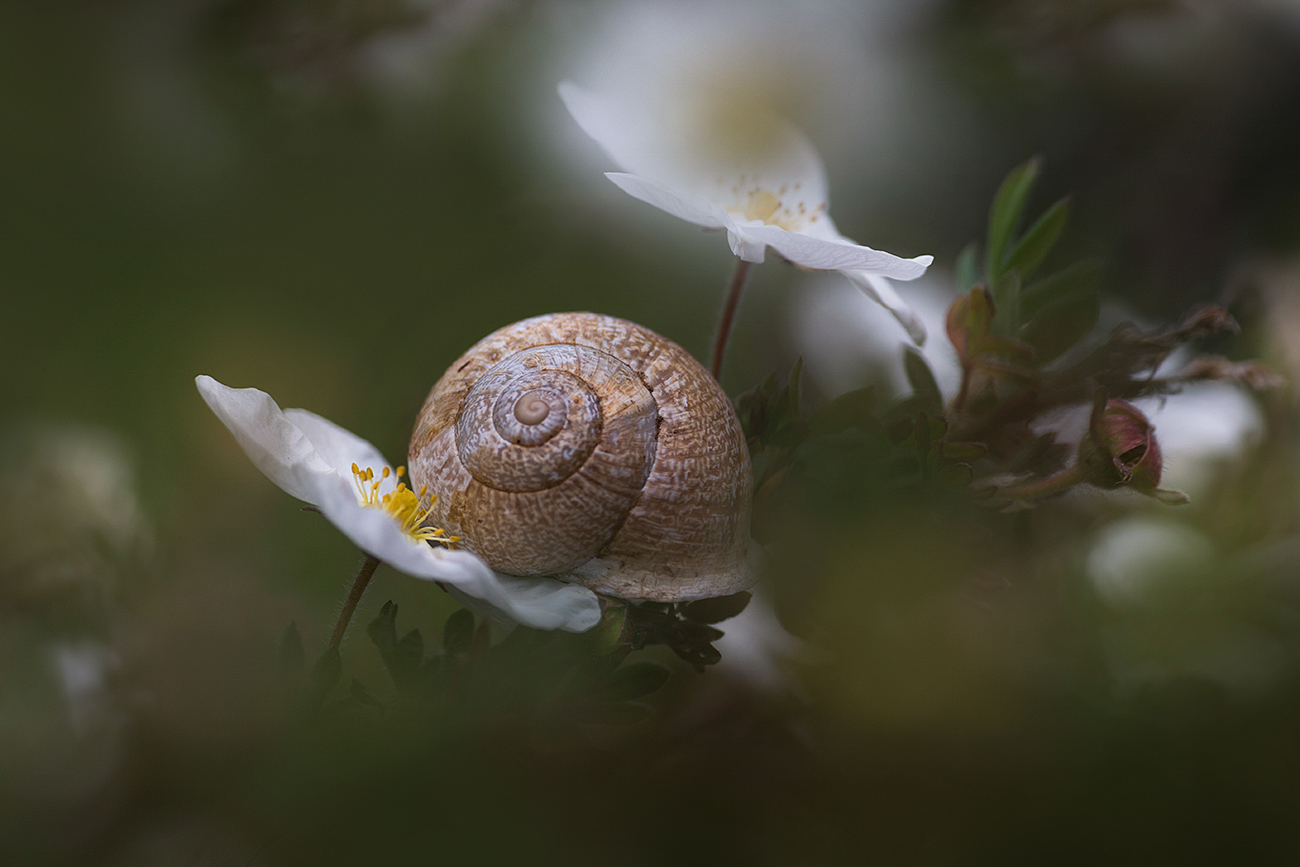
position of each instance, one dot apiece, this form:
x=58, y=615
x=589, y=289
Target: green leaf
x=1012, y=348
x=634, y=680
x=1004, y=215
x=1006, y=303
x=1079, y=277
x=700, y=656
x=325, y=673
x=293, y=658
x=1036, y=243
x=919, y=376
x=383, y=629
x=957, y=475
x=964, y=452
x=716, y=609
x=458, y=632
x=851, y=409
x=967, y=262
x=407, y=657
x=363, y=695
x=1061, y=324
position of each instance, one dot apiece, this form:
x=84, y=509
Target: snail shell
x=592, y=449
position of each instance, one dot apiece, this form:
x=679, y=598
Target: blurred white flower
x=1133, y=557
x=71, y=523
x=334, y=470
x=847, y=342
x=721, y=164
x=757, y=649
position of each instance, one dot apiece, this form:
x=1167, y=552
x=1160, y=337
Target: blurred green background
x=331, y=201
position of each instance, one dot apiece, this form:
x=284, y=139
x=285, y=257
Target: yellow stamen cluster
x=408, y=508
x=759, y=203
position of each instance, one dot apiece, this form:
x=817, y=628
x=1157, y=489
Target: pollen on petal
x=409, y=509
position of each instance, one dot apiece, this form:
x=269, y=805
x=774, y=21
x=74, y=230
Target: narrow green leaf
x=1061, y=324
x=458, y=632
x=965, y=268
x=1079, y=277
x=325, y=673
x=851, y=409
x=924, y=386
x=1004, y=215
x=1006, y=304
x=634, y=680
x=1036, y=243
x=716, y=609
x=383, y=629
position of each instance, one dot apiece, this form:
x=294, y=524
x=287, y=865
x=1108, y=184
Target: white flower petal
x=600, y=119
x=684, y=206
x=310, y=458
x=828, y=254
x=745, y=246
x=877, y=288
x=275, y=445
x=542, y=603
x=337, y=446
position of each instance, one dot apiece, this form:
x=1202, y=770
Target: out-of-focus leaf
x=1004, y=215
x=1060, y=324
x=958, y=475
x=921, y=378
x=851, y=409
x=362, y=695
x=1079, y=277
x=966, y=452
x=1006, y=301
x=1036, y=243
x=634, y=680
x=458, y=632
x=965, y=267
x=1009, y=346
x=383, y=629
x=717, y=609
x=325, y=673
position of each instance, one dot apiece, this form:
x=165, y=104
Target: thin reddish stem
x=728, y=316
x=354, y=596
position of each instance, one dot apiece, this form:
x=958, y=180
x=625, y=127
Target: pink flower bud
x=1120, y=449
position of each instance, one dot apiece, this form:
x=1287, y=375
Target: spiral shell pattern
x=590, y=448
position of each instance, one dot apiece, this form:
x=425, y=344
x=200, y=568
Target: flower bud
x=1120, y=448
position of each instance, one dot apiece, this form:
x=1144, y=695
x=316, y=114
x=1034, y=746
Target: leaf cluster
x=579, y=678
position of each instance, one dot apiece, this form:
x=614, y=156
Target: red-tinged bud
x=1120, y=448
x=969, y=317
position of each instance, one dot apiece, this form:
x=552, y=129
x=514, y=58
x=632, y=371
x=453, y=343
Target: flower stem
x=354, y=596
x=1053, y=484
x=728, y=316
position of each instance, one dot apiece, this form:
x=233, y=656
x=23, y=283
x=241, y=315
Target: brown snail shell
x=592, y=449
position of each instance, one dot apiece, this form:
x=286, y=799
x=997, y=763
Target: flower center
x=405, y=506
x=761, y=204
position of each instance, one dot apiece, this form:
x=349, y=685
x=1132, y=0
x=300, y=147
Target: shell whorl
x=593, y=449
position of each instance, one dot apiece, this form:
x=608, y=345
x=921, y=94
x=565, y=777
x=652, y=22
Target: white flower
x=334, y=470
x=741, y=169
